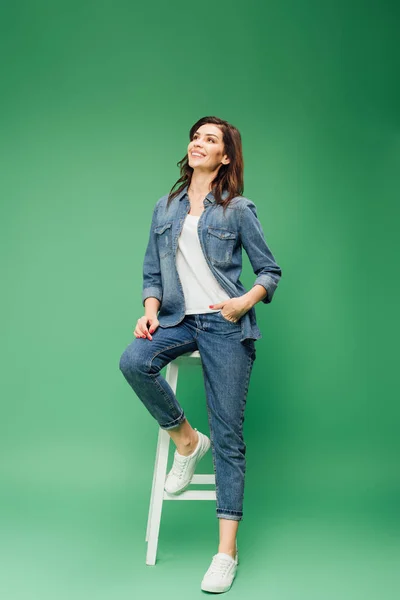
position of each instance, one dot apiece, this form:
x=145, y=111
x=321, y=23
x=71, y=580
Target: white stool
x=158, y=494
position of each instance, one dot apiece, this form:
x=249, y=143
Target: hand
x=145, y=326
x=232, y=309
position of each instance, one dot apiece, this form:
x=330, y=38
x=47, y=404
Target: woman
x=194, y=300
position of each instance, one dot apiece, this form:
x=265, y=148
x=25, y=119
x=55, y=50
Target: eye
x=209, y=139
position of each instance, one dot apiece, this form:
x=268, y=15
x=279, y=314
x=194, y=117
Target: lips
x=198, y=153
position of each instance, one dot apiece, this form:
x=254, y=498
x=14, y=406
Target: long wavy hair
x=229, y=177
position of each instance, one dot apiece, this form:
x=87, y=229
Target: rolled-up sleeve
x=261, y=258
x=152, y=286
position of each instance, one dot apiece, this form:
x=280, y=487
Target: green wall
x=97, y=100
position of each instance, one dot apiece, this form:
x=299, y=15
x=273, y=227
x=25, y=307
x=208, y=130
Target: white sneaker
x=220, y=574
x=181, y=474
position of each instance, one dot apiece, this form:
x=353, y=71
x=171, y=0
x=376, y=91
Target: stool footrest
x=203, y=479
x=191, y=495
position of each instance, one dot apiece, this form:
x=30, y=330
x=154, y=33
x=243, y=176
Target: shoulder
x=242, y=202
x=246, y=206
x=248, y=215
x=161, y=202
x=160, y=205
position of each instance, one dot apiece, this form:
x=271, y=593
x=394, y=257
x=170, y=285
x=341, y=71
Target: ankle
x=188, y=445
x=227, y=550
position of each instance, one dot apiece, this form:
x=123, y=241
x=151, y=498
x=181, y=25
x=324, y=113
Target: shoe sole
x=206, y=589
x=202, y=452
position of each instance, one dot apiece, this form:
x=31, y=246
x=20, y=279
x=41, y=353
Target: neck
x=200, y=183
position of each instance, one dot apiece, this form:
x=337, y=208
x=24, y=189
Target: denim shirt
x=221, y=237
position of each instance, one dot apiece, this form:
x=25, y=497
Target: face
x=206, y=149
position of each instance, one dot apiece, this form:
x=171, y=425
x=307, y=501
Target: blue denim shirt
x=222, y=236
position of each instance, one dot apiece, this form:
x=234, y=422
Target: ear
x=226, y=160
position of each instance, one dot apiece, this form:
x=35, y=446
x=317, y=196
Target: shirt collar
x=210, y=196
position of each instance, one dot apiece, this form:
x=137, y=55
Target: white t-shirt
x=200, y=288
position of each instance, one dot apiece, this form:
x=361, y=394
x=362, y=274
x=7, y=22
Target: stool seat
x=158, y=494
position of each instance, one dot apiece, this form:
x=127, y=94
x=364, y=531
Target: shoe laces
x=219, y=565
x=179, y=466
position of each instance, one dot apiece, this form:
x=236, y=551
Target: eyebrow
x=207, y=134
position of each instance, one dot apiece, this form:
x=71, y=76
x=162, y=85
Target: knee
x=230, y=444
x=133, y=362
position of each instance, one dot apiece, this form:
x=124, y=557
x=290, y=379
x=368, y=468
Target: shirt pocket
x=164, y=239
x=220, y=244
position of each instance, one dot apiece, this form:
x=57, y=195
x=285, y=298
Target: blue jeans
x=227, y=365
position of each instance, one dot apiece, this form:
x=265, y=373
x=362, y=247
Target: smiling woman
x=215, y=148
x=194, y=300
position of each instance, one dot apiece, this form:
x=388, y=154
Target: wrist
x=151, y=307
x=257, y=293
x=247, y=301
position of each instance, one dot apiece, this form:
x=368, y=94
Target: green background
x=97, y=99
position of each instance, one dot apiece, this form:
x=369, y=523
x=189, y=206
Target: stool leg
x=171, y=375
x=172, y=379
x=156, y=501
x=153, y=486
x=159, y=476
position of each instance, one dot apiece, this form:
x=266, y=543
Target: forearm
x=256, y=294
x=262, y=260
x=151, y=306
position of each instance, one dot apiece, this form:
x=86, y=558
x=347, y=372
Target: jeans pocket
x=227, y=320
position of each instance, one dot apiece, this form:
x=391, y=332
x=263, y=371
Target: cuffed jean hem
x=175, y=422
x=229, y=514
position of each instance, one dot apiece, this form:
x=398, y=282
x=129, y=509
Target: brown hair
x=230, y=176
